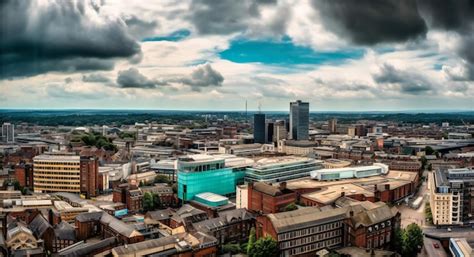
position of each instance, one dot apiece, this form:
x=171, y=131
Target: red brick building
x=89, y=175
x=24, y=175
x=105, y=225
x=265, y=198
x=130, y=195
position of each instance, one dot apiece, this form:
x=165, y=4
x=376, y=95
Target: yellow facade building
x=56, y=173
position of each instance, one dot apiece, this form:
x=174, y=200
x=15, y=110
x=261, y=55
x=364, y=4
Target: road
x=410, y=215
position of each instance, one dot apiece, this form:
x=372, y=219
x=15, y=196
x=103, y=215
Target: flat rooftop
x=327, y=192
x=48, y=157
x=281, y=160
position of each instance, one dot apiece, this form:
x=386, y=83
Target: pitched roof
x=85, y=249
x=39, y=225
x=65, y=231
x=267, y=189
x=372, y=213
x=310, y=216
x=89, y=216
x=119, y=226
x=160, y=214
x=223, y=220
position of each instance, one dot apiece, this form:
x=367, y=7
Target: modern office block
x=259, y=128
x=204, y=173
x=8, y=132
x=299, y=120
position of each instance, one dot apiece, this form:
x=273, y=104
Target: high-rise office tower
x=332, y=126
x=299, y=120
x=259, y=127
x=269, y=125
x=8, y=132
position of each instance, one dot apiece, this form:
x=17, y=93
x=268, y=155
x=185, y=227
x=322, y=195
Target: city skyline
x=203, y=55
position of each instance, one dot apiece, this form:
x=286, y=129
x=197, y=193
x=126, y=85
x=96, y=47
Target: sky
x=338, y=55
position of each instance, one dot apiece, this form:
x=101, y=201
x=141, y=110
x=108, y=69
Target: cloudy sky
x=340, y=55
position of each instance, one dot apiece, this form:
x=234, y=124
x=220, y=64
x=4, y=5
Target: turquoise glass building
x=205, y=173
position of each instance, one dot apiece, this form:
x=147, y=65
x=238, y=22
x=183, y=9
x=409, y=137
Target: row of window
x=310, y=239
x=378, y=241
x=316, y=246
x=309, y=231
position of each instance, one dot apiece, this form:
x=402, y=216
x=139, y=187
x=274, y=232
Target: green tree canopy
x=429, y=150
x=264, y=247
x=161, y=179
x=156, y=201
x=291, y=207
x=148, y=202
x=413, y=239
x=252, y=239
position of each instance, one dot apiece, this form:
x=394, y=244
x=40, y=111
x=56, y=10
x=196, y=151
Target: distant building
x=279, y=131
x=8, y=132
x=259, y=128
x=279, y=169
x=350, y=172
x=299, y=120
x=269, y=129
x=332, y=126
x=297, y=147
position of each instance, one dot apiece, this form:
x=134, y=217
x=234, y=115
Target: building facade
x=259, y=128
x=204, y=173
x=265, y=198
x=65, y=173
x=299, y=120
x=8, y=132
x=279, y=169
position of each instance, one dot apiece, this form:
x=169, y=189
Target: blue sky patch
x=284, y=52
x=174, y=36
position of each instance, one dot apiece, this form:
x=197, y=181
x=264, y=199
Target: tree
x=412, y=240
x=396, y=243
x=252, y=239
x=231, y=248
x=429, y=150
x=291, y=207
x=156, y=201
x=161, y=179
x=264, y=247
x=148, y=202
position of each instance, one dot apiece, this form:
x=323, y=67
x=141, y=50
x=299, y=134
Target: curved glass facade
x=220, y=181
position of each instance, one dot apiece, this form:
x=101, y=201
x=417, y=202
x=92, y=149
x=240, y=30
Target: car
x=449, y=229
x=436, y=245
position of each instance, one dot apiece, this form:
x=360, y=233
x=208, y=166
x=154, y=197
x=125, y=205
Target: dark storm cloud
x=140, y=28
x=203, y=76
x=369, y=22
x=132, y=78
x=223, y=16
x=456, y=16
x=448, y=14
x=54, y=35
x=407, y=82
x=18, y=66
x=95, y=78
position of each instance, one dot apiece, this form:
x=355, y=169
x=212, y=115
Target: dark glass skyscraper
x=259, y=127
x=299, y=120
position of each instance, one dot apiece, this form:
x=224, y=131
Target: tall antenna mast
x=246, y=116
x=259, y=107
